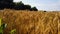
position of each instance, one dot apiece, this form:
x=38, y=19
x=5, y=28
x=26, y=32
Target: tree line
x=9, y=4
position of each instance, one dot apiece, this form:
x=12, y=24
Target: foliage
x=13, y=31
x=0, y=22
x=3, y=26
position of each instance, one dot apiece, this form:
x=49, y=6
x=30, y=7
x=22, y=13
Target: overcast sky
x=43, y=4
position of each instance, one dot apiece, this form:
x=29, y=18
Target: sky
x=48, y=5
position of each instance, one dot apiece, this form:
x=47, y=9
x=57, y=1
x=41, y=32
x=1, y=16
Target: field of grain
x=31, y=22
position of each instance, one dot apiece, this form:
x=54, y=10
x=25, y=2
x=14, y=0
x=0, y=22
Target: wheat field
x=31, y=22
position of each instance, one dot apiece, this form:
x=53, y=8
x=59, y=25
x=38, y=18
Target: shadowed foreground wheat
x=26, y=22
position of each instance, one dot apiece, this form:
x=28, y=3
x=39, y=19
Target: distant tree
x=28, y=7
x=9, y=4
x=20, y=3
x=19, y=6
x=44, y=11
x=34, y=9
x=12, y=5
x=5, y=3
x=1, y=4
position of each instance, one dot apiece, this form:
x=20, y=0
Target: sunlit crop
x=31, y=22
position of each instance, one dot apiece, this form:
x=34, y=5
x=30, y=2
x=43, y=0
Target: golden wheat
x=27, y=22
